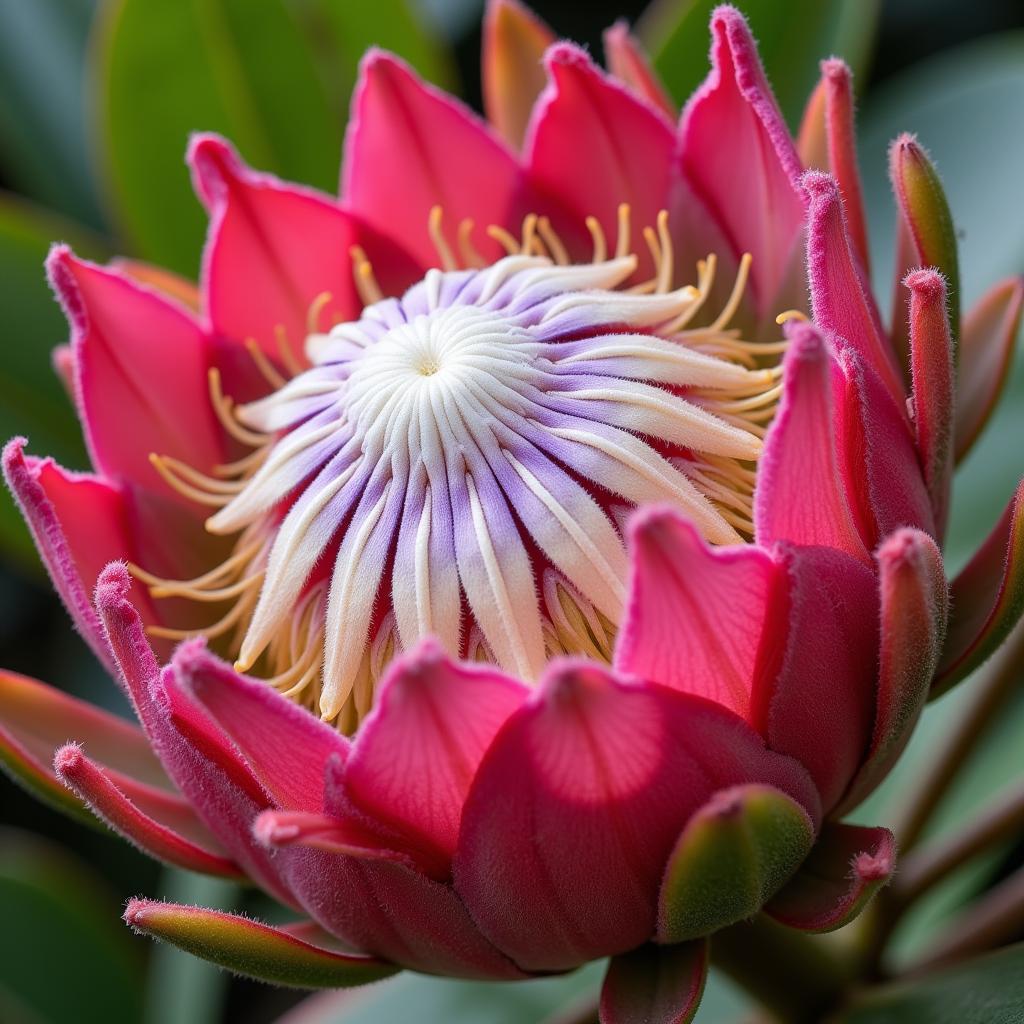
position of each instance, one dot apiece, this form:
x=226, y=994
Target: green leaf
x=732, y=856
x=65, y=955
x=792, y=38
x=965, y=107
x=426, y=1000
x=343, y=31
x=986, y=990
x=254, y=949
x=43, y=143
x=32, y=399
x=925, y=209
x=444, y=1001
x=274, y=76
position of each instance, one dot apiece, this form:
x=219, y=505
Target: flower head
x=568, y=551
x=457, y=463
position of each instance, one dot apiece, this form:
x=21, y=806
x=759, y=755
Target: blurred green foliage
x=273, y=76
x=425, y=1000
x=792, y=38
x=44, y=128
x=65, y=956
x=97, y=100
x=986, y=990
x=439, y=1000
x=32, y=398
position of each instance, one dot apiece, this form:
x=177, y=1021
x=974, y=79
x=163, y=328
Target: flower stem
x=995, y=918
x=997, y=683
x=794, y=976
x=1001, y=821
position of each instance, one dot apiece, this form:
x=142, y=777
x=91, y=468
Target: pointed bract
x=986, y=353
x=133, y=657
x=36, y=719
x=732, y=855
x=141, y=363
x=213, y=776
x=416, y=754
x=848, y=865
x=157, y=829
x=514, y=41
x=79, y=522
x=933, y=375
x=607, y=772
x=914, y=610
x=655, y=984
x=827, y=142
x=273, y=248
x=801, y=495
x=409, y=148
x=593, y=145
x=626, y=60
x=840, y=297
x=732, y=134
x=252, y=949
x=987, y=598
x=696, y=613
x=285, y=746
x=926, y=219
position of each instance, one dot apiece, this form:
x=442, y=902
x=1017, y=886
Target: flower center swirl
x=461, y=462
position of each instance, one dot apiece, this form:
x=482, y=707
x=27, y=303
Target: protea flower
x=576, y=598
